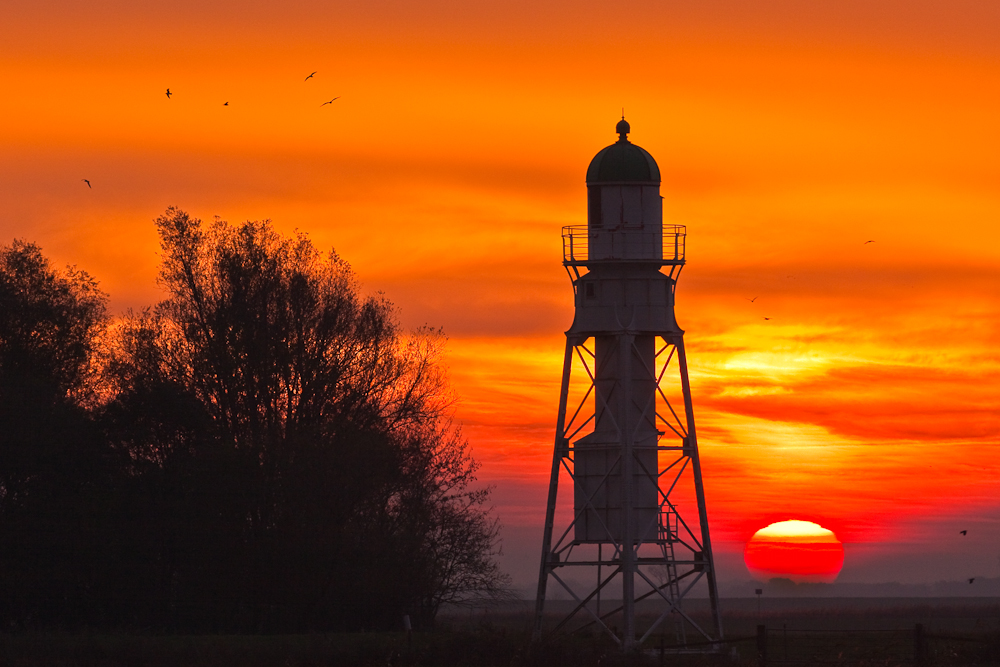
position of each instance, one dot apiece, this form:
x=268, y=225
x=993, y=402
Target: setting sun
x=802, y=551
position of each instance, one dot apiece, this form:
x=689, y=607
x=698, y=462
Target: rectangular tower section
x=625, y=420
x=625, y=222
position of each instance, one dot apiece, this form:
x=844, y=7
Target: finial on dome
x=622, y=128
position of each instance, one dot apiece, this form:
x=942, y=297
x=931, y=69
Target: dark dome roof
x=623, y=162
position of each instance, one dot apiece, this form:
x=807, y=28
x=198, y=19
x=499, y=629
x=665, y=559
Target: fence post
x=762, y=645
x=919, y=647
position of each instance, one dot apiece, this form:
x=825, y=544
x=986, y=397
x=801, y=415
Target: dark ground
x=801, y=631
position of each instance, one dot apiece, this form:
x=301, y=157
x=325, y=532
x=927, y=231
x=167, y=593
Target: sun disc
x=802, y=551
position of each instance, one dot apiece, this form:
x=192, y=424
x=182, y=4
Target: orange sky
x=787, y=136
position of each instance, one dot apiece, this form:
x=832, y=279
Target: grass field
x=800, y=631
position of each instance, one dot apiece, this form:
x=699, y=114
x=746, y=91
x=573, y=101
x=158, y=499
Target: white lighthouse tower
x=625, y=432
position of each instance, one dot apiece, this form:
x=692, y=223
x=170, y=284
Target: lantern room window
x=594, y=207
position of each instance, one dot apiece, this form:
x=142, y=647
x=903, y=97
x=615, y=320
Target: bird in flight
x=88, y=183
x=169, y=93
x=331, y=101
x=964, y=532
x=767, y=318
x=225, y=104
x=310, y=76
x=867, y=242
x=972, y=579
x=753, y=299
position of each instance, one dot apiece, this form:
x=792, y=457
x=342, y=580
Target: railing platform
x=583, y=246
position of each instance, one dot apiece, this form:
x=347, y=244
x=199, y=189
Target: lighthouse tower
x=632, y=526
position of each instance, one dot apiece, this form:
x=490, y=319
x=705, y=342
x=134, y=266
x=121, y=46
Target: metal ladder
x=668, y=535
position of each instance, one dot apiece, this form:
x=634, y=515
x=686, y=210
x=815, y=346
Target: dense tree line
x=263, y=451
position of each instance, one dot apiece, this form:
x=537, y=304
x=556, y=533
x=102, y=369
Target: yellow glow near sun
x=795, y=530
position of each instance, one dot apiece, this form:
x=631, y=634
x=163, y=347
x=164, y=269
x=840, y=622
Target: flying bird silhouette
x=867, y=242
x=753, y=299
x=225, y=104
x=331, y=101
x=168, y=93
x=767, y=318
x=972, y=579
x=88, y=183
x=964, y=532
x=310, y=76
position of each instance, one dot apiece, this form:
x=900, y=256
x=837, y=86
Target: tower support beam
x=550, y=510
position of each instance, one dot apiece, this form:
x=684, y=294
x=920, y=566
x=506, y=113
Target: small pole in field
x=762, y=645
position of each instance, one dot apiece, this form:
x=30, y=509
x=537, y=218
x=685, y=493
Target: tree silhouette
x=294, y=444
x=56, y=475
x=265, y=450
